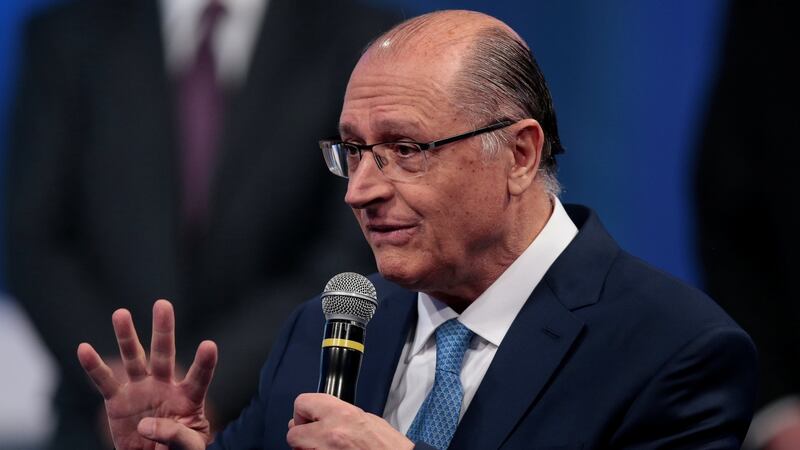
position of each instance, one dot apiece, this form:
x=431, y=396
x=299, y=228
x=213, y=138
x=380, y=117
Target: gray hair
x=500, y=79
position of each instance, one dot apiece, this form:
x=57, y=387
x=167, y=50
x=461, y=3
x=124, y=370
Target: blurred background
x=632, y=83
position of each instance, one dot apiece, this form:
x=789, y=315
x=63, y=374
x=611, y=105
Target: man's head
x=454, y=229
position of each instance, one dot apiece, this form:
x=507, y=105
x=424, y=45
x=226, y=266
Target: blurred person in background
x=747, y=235
x=168, y=149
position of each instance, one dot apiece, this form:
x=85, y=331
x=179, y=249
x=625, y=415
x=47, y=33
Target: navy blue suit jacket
x=606, y=353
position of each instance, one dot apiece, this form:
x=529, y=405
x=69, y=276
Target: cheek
x=464, y=217
x=461, y=203
x=475, y=208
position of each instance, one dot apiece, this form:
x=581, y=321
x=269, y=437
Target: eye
x=350, y=149
x=403, y=150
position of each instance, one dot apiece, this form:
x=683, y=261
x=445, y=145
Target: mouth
x=390, y=234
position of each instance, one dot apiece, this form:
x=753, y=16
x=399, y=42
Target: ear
x=527, y=148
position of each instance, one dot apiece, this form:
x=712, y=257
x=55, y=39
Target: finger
x=171, y=433
x=162, y=345
x=312, y=407
x=299, y=418
x=201, y=372
x=292, y=425
x=102, y=376
x=309, y=435
x=130, y=348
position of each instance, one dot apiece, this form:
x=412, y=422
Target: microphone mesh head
x=349, y=296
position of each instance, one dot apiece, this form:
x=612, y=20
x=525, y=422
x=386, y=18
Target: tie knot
x=211, y=15
x=452, y=340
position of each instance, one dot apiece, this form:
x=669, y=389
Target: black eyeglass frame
x=423, y=146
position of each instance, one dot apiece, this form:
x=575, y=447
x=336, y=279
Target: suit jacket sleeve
x=696, y=400
x=248, y=430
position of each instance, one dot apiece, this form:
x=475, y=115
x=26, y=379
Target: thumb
x=171, y=433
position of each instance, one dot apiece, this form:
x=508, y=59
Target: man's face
x=440, y=230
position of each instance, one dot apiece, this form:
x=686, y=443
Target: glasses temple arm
x=496, y=126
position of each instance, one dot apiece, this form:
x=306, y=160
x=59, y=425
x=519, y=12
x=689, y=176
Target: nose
x=367, y=185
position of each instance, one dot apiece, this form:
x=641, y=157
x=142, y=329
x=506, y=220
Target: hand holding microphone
x=321, y=421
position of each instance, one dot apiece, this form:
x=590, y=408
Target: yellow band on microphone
x=335, y=342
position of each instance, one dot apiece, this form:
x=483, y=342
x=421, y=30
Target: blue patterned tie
x=437, y=418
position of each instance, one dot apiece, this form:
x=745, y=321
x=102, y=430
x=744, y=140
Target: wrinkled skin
x=151, y=409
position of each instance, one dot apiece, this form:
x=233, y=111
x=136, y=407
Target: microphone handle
x=340, y=360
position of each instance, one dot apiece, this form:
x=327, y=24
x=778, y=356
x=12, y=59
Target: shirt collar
x=179, y=25
x=491, y=314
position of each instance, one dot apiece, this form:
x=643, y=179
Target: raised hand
x=152, y=410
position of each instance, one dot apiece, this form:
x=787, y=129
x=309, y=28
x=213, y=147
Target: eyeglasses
x=399, y=161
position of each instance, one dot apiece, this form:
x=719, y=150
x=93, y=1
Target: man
x=104, y=139
x=505, y=320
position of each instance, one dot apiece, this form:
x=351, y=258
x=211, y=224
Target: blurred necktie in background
x=201, y=108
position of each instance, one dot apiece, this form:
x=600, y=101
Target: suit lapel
x=541, y=338
x=386, y=335
x=529, y=356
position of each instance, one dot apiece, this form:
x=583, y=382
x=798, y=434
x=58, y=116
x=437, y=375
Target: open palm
x=173, y=411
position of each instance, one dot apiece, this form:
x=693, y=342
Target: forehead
x=402, y=93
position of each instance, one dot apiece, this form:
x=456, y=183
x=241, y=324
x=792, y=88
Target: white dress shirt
x=489, y=317
x=233, y=40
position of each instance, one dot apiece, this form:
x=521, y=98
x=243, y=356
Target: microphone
x=348, y=301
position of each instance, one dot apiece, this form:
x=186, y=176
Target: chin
x=399, y=271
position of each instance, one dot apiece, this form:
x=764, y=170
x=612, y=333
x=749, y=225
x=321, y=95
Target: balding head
x=441, y=216
x=435, y=32
x=490, y=73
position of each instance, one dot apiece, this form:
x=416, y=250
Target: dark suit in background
x=93, y=192
x=607, y=353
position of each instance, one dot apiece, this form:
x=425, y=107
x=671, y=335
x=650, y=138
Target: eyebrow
x=346, y=128
x=388, y=129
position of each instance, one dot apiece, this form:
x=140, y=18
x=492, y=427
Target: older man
x=506, y=320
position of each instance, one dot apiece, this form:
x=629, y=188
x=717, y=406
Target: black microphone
x=348, y=301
